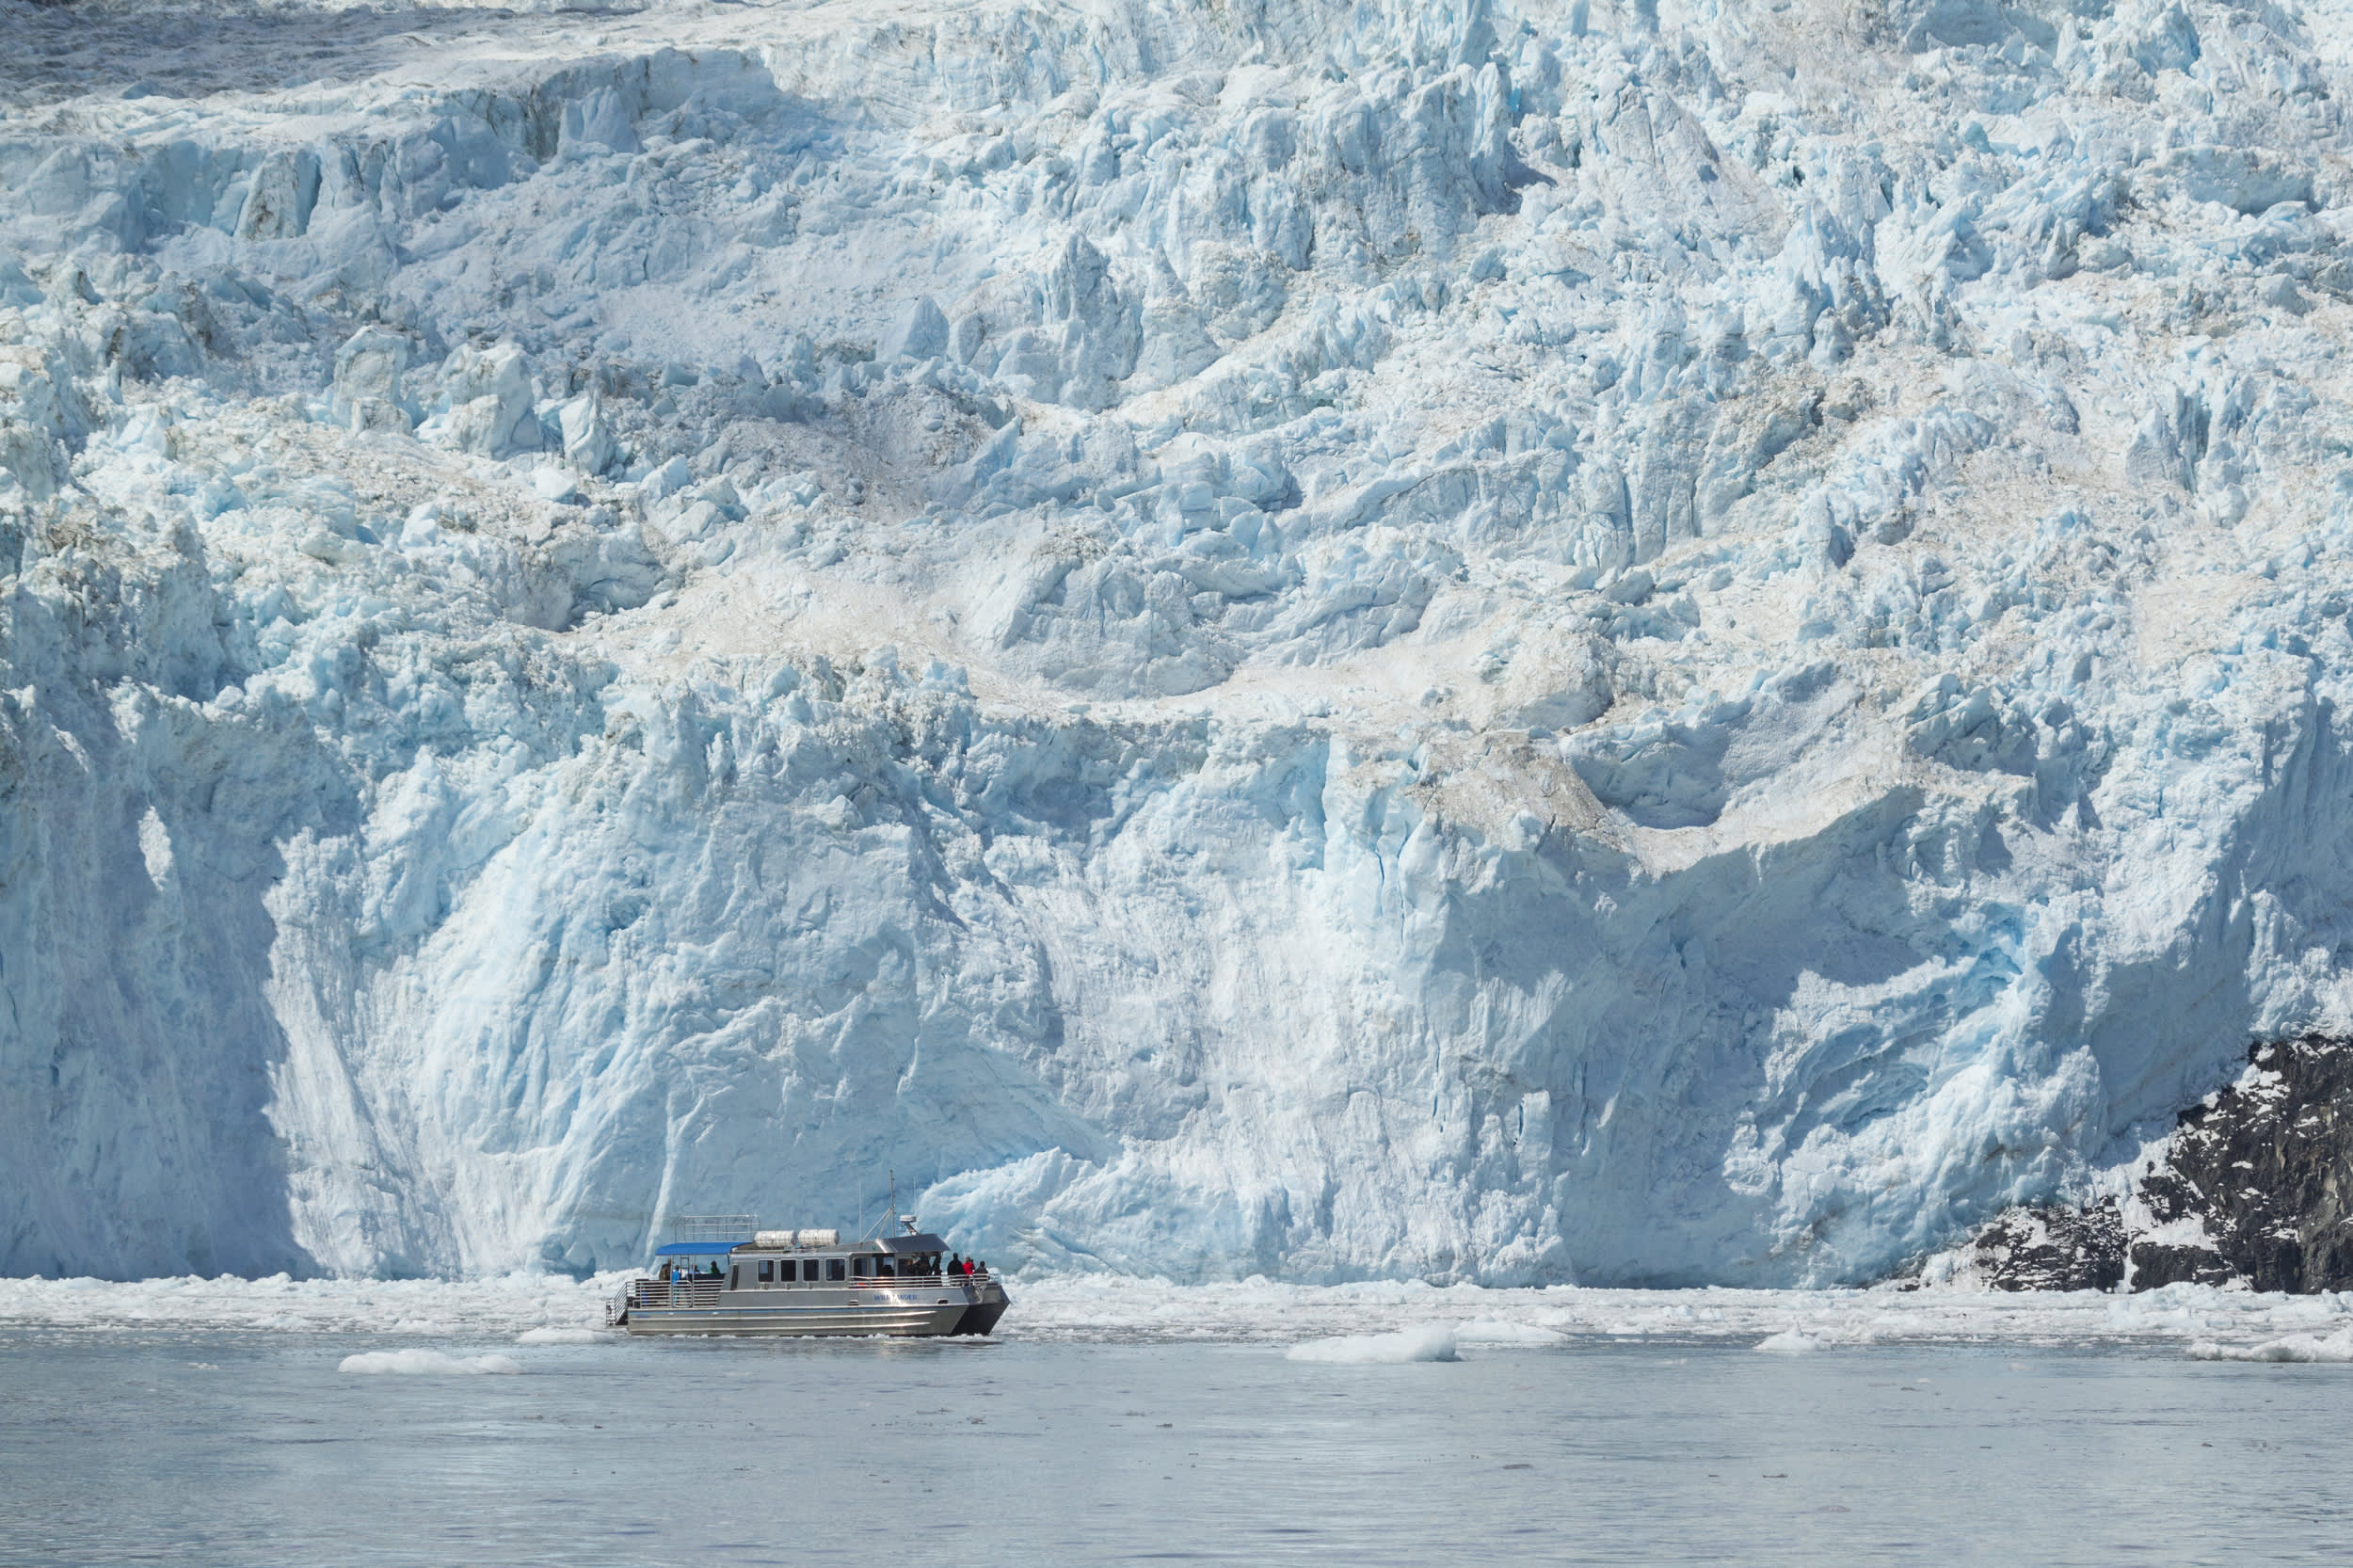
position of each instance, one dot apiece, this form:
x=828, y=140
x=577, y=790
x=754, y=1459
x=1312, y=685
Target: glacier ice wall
x=1512, y=642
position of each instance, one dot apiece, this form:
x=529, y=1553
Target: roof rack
x=714, y=1228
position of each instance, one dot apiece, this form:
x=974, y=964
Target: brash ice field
x=1485, y=642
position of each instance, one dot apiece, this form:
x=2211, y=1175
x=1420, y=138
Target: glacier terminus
x=1681, y=642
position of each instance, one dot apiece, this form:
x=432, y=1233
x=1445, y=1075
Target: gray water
x=254, y=1449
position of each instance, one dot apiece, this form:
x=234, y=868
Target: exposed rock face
x=2252, y=1188
x=2267, y=1164
x=2052, y=1247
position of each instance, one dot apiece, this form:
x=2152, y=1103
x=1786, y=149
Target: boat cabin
x=778, y=1259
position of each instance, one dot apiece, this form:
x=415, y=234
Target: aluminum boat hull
x=909, y=1322
x=926, y=1313
x=981, y=1317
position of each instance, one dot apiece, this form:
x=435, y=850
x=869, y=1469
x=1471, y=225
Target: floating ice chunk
x=2293, y=1347
x=428, y=1363
x=1430, y=1342
x=1498, y=1331
x=1788, y=1342
x=561, y=1336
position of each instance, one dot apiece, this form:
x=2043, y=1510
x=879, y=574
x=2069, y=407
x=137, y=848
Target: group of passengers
x=958, y=1268
x=923, y=1266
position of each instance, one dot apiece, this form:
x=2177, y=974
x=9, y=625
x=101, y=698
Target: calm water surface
x=254, y=1449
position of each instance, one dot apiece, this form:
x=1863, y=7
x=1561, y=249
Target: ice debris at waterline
x=428, y=1363
x=1503, y=642
x=563, y=1337
x=2337, y=1346
x=1117, y=1310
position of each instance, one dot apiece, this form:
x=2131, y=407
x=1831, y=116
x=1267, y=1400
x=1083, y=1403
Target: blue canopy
x=695, y=1249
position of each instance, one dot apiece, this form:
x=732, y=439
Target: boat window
x=767, y=1270
x=882, y=1268
x=834, y=1268
x=862, y=1267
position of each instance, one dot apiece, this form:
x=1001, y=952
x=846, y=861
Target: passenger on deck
x=955, y=1263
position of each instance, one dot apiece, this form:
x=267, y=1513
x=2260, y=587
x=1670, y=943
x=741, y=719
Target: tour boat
x=723, y=1277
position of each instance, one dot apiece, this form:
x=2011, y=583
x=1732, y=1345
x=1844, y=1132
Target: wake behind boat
x=724, y=1276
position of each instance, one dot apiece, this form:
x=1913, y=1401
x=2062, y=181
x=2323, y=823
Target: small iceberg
x=1501, y=1331
x=1431, y=1342
x=2337, y=1346
x=429, y=1363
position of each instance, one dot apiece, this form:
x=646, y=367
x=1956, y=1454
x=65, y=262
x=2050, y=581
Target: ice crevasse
x=1641, y=645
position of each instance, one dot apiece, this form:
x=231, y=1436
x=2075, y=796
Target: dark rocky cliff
x=2266, y=1167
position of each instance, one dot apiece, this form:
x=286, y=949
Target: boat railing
x=701, y=1292
x=674, y=1292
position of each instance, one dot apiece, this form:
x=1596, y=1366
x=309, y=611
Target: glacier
x=1486, y=643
